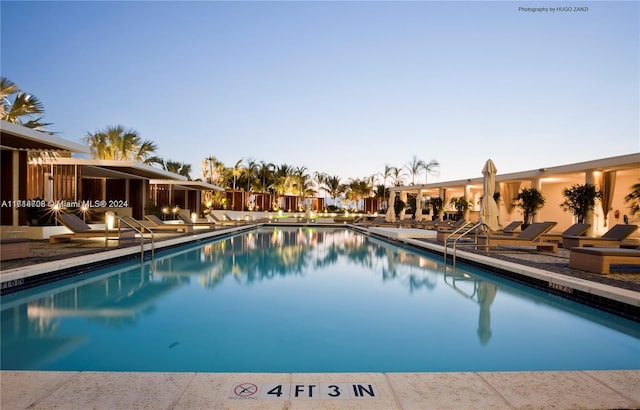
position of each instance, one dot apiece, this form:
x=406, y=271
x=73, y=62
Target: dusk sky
x=339, y=87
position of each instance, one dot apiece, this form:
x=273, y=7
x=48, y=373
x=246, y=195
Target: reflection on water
x=39, y=326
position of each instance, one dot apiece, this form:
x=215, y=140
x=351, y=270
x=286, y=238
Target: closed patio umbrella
x=418, y=215
x=391, y=217
x=488, y=208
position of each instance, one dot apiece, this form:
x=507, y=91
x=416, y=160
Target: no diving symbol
x=245, y=389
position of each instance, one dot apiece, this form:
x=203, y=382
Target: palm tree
x=118, y=143
x=282, y=179
x=176, y=167
x=414, y=168
x=333, y=186
x=22, y=109
x=265, y=173
x=236, y=172
x=359, y=189
x=430, y=168
x=319, y=178
x=386, y=174
x=397, y=176
x=248, y=174
x=212, y=170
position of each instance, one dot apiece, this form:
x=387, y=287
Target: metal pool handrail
x=473, y=229
x=130, y=222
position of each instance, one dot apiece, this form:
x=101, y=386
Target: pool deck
x=109, y=390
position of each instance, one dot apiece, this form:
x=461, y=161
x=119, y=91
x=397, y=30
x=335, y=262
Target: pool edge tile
x=445, y=390
x=111, y=390
x=566, y=390
x=21, y=389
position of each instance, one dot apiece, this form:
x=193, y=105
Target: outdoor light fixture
x=194, y=217
x=109, y=219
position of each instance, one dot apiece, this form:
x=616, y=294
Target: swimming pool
x=305, y=300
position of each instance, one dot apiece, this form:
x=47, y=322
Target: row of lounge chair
x=80, y=229
x=592, y=254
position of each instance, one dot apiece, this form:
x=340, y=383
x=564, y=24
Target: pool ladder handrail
x=139, y=228
x=472, y=230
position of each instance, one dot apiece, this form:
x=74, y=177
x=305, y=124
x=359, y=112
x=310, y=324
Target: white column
x=467, y=194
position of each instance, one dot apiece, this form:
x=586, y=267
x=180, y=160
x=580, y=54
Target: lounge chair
x=528, y=237
x=153, y=223
x=612, y=238
x=433, y=225
x=370, y=222
x=510, y=229
x=81, y=229
x=573, y=230
x=214, y=219
x=599, y=260
x=187, y=221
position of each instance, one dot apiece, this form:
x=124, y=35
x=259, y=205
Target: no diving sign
x=308, y=391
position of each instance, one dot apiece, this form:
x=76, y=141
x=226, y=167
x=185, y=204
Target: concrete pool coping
x=563, y=389
x=498, y=390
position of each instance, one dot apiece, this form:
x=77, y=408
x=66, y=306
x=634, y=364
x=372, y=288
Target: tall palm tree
x=430, y=168
x=265, y=174
x=25, y=109
x=250, y=173
x=397, y=176
x=414, y=167
x=236, y=171
x=213, y=170
x=386, y=174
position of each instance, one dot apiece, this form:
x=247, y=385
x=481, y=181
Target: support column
x=442, y=193
x=590, y=177
x=15, y=194
x=467, y=194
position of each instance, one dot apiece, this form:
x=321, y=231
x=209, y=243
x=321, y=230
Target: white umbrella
x=489, y=211
x=391, y=217
x=418, y=214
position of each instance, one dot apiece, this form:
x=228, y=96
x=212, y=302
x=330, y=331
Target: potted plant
x=461, y=205
x=580, y=200
x=437, y=205
x=398, y=206
x=530, y=200
x=633, y=199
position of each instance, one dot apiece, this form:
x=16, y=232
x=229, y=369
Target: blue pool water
x=305, y=300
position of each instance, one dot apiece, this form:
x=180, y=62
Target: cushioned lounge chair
x=369, y=222
x=218, y=221
x=510, y=229
x=612, y=238
x=187, y=221
x=435, y=225
x=528, y=237
x=81, y=230
x=153, y=223
x=599, y=260
x=573, y=230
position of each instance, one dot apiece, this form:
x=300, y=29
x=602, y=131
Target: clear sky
x=338, y=87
